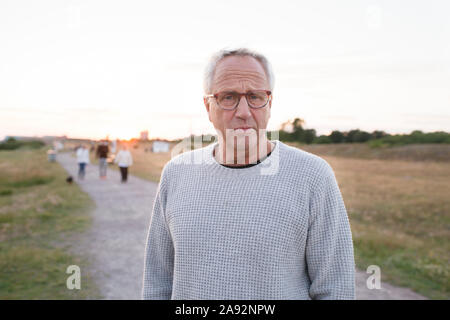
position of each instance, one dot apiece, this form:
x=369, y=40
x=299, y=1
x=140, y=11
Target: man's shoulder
x=304, y=163
x=300, y=156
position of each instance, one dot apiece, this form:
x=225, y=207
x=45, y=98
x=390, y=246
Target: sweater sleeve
x=159, y=252
x=329, y=246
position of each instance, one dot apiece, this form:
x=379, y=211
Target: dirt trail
x=116, y=241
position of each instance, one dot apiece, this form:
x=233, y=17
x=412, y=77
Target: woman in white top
x=124, y=160
x=83, y=160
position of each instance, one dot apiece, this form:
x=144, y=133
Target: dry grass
x=412, y=152
x=148, y=165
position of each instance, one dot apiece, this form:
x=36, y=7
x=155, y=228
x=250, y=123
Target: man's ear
x=269, y=111
x=207, y=105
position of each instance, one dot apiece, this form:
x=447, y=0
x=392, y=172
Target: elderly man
x=252, y=220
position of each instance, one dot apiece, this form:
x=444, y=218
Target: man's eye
x=228, y=97
x=255, y=97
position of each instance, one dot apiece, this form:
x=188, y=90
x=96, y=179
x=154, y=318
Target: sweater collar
x=268, y=166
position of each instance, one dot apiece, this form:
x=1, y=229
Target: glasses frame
x=215, y=96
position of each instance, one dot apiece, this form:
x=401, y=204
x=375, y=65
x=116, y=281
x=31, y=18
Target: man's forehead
x=238, y=67
x=239, y=63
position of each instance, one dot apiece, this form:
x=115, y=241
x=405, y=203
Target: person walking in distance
x=83, y=160
x=102, y=155
x=124, y=160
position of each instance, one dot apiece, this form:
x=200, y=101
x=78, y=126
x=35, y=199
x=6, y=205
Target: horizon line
x=65, y=136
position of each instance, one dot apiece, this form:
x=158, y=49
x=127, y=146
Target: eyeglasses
x=229, y=100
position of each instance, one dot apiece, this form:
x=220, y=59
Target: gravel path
x=116, y=241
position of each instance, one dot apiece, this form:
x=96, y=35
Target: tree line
x=293, y=131
x=13, y=144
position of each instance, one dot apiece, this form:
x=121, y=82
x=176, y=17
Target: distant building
x=144, y=135
x=160, y=146
x=58, y=145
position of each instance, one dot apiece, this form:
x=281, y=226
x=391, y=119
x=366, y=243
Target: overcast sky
x=92, y=68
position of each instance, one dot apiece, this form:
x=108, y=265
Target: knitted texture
x=276, y=230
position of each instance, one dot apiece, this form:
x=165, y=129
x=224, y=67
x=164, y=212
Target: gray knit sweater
x=276, y=230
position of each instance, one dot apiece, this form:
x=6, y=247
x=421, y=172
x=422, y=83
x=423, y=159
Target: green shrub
x=13, y=144
x=377, y=144
x=34, y=181
x=323, y=139
x=417, y=137
x=6, y=192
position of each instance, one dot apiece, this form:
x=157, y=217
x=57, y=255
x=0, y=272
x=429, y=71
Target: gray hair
x=220, y=55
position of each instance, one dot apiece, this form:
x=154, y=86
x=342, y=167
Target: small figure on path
x=102, y=154
x=83, y=160
x=124, y=160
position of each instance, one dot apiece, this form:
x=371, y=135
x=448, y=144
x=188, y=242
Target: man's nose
x=243, y=109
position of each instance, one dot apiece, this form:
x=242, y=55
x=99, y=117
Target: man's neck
x=220, y=154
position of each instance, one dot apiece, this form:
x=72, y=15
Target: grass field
x=412, y=152
x=39, y=212
x=400, y=217
x=399, y=209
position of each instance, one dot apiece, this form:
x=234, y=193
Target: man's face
x=240, y=74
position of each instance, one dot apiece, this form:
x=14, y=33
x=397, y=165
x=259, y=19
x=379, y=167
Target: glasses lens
x=230, y=99
x=257, y=99
x=227, y=100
